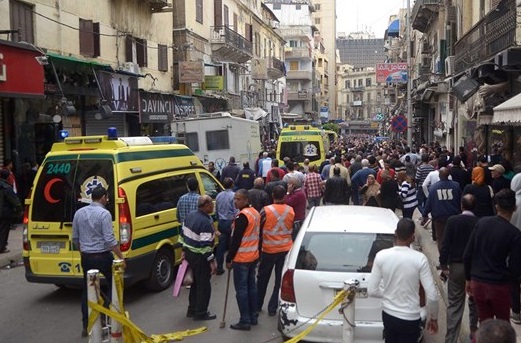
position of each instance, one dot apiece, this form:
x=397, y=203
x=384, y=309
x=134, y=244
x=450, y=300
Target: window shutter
x=86, y=38
x=249, y=32
x=218, y=12
x=128, y=49
x=141, y=52
x=162, y=58
x=235, y=23
x=21, y=19
x=96, y=39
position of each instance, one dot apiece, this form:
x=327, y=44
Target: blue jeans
x=422, y=199
x=315, y=201
x=225, y=228
x=246, y=291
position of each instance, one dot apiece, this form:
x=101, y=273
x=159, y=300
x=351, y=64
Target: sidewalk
x=15, y=245
x=430, y=250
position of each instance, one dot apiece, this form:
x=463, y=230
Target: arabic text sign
x=391, y=72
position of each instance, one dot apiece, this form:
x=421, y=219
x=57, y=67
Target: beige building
x=360, y=99
x=324, y=19
x=321, y=79
x=98, y=58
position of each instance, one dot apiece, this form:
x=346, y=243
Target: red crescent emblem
x=47, y=190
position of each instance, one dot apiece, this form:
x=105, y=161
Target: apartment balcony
x=300, y=95
x=299, y=75
x=357, y=103
x=229, y=46
x=493, y=37
x=297, y=53
x=423, y=12
x=357, y=89
x=276, y=68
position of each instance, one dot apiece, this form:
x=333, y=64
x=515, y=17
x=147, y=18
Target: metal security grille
x=94, y=126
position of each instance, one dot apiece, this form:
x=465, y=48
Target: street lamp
x=409, y=88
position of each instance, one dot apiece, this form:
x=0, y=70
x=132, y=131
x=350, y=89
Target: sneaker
x=515, y=318
x=207, y=316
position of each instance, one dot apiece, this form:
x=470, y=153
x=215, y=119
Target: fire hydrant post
x=116, y=332
x=93, y=295
x=348, y=309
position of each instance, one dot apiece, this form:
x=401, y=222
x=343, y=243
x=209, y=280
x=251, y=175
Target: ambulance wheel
x=162, y=273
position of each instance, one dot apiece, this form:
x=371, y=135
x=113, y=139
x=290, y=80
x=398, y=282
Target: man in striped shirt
x=421, y=173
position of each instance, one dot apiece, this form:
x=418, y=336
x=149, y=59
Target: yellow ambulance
x=144, y=180
x=299, y=142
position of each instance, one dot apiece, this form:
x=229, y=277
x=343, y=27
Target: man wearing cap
x=492, y=259
x=10, y=206
x=499, y=182
x=93, y=236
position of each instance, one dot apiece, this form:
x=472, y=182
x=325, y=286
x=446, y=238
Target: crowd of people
x=469, y=201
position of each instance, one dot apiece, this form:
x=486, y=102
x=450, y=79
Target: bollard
x=347, y=308
x=116, y=332
x=93, y=295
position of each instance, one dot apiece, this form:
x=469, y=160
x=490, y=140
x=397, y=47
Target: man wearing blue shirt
x=226, y=211
x=93, y=236
x=188, y=202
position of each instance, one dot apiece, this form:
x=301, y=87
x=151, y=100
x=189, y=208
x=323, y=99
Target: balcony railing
x=494, y=33
x=299, y=75
x=422, y=13
x=229, y=45
x=297, y=52
x=275, y=68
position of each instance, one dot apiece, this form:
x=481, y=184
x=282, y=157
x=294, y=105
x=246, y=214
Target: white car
x=335, y=244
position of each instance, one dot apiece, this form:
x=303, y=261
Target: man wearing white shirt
x=396, y=276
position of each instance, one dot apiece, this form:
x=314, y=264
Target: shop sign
x=155, y=107
x=20, y=74
x=214, y=83
x=184, y=106
x=191, y=72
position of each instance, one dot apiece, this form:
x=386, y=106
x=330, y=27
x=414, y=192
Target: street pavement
x=429, y=248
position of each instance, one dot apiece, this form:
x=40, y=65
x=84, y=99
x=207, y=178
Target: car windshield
x=299, y=151
x=341, y=252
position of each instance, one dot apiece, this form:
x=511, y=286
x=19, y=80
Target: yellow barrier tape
x=336, y=301
x=133, y=334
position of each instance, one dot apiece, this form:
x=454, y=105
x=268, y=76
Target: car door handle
x=331, y=285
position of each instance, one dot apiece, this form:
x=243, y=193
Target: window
x=317, y=21
x=317, y=7
x=360, y=83
x=218, y=13
x=235, y=22
x=277, y=6
x=226, y=16
x=293, y=44
x=21, y=16
x=348, y=84
x=211, y=187
x=368, y=82
x=192, y=141
x=162, y=57
x=293, y=65
x=199, y=11
x=257, y=43
x=298, y=7
x=347, y=98
x=217, y=140
x=136, y=50
x=160, y=194
x=89, y=38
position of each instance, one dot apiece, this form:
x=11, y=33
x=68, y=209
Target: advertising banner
x=391, y=73
x=120, y=90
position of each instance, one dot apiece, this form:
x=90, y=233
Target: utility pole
x=409, y=69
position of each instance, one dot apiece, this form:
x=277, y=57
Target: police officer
x=276, y=228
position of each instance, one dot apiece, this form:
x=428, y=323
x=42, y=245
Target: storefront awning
x=394, y=28
x=74, y=62
x=509, y=111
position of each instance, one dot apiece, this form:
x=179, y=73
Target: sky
x=371, y=15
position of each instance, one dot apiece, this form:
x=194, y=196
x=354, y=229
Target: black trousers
x=400, y=331
x=5, y=227
x=102, y=262
x=267, y=263
x=201, y=288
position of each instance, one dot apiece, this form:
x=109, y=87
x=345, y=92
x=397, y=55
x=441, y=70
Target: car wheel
x=162, y=273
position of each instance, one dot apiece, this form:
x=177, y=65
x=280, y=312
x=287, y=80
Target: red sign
x=20, y=74
x=391, y=72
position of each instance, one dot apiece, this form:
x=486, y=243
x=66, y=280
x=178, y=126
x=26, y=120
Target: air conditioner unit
x=449, y=65
x=131, y=67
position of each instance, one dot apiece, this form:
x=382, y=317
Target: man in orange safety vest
x=275, y=238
